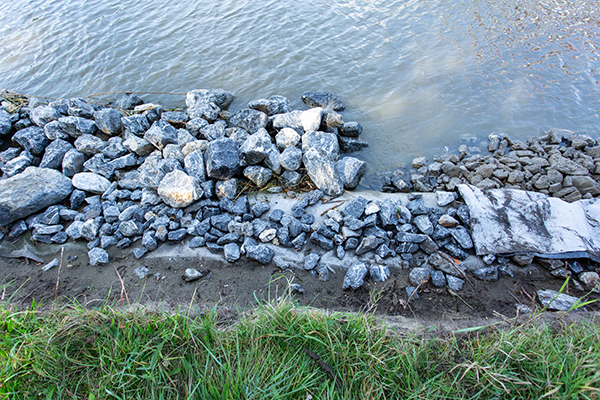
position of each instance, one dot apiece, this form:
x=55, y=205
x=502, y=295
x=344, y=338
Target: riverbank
x=282, y=351
x=163, y=198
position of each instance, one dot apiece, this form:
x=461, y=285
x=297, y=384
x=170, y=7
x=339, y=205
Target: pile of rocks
x=111, y=177
x=561, y=164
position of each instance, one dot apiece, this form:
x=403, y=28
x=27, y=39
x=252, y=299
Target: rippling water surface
x=419, y=75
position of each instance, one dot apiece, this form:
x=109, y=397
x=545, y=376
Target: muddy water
x=418, y=74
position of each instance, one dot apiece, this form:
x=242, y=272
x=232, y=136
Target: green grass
x=105, y=353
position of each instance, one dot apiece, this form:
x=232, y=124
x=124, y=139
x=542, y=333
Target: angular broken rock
x=323, y=99
x=161, y=133
x=355, y=277
x=98, y=256
x=191, y=275
x=260, y=176
x=379, y=273
x=108, y=121
x=178, y=189
x=350, y=170
x=249, y=119
x=321, y=170
x=30, y=191
x=260, y=253
x=557, y=301
x=33, y=139
x=222, y=158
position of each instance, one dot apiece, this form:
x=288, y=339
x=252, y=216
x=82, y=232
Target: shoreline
x=145, y=180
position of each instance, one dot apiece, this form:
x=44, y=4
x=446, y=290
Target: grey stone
x=351, y=129
x=77, y=126
x=160, y=134
x=287, y=137
x=99, y=165
x=141, y=272
x=260, y=176
x=139, y=146
x=196, y=242
x=149, y=240
x=350, y=145
x=271, y=106
x=444, y=263
x=455, y=251
x=355, y=277
x=194, y=165
x=411, y=292
x=43, y=114
x=108, y=121
x=288, y=120
x=461, y=235
x=291, y=178
x=585, y=185
x=129, y=101
x=130, y=228
x=591, y=280
x=324, y=141
x=249, y=119
x=323, y=99
x=31, y=191
x=455, y=283
x=177, y=235
x=423, y=224
x=33, y=139
x=311, y=261
x=321, y=170
x=221, y=98
x=447, y=221
x=445, y=198
x=332, y=119
x=59, y=238
x=324, y=242
x=311, y=119
x=260, y=253
x=222, y=158
x=214, y=131
x=5, y=123
x=488, y=274
x=89, y=144
x=566, y=166
x=231, y=252
x=350, y=170
x=191, y=275
x=419, y=275
x=271, y=160
x=90, y=182
x=438, y=279
x=175, y=117
x=98, y=256
x=291, y=158
x=207, y=110
x=384, y=251
x=53, y=131
x=554, y=300
x=226, y=189
x=78, y=107
x=322, y=272
x=42, y=229
x=255, y=148
x=17, y=164
x=379, y=273
x=259, y=209
x=172, y=151
x=114, y=149
x=369, y=243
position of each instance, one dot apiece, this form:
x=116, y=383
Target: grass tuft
x=281, y=351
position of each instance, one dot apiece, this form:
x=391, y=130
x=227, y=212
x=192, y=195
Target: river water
x=419, y=75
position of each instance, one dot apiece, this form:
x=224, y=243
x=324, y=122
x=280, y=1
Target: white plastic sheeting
x=509, y=221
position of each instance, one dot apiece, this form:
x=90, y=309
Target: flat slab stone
x=30, y=191
x=508, y=221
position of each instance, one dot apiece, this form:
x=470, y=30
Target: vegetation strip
x=106, y=353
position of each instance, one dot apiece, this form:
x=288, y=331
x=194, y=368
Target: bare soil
x=235, y=288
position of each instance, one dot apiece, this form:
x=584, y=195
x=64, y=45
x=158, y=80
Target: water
x=419, y=75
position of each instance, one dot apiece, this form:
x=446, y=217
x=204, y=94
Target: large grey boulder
x=194, y=165
x=214, y=131
x=291, y=158
x=290, y=120
x=54, y=154
x=89, y=144
x=255, y=147
x=323, y=99
x=5, y=123
x=90, y=182
x=325, y=141
x=221, y=98
x=321, y=170
x=566, y=166
x=311, y=119
x=139, y=146
x=153, y=170
x=33, y=139
x=108, y=120
x=43, y=114
x=179, y=190
x=77, y=126
x=287, y=137
x=273, y=105
x=31, y=191
x=78, y=107
x=161, y=133
x=249, y=119
x=222, y=158
x=135, y=124
x=351, y=170
x=72, y=162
